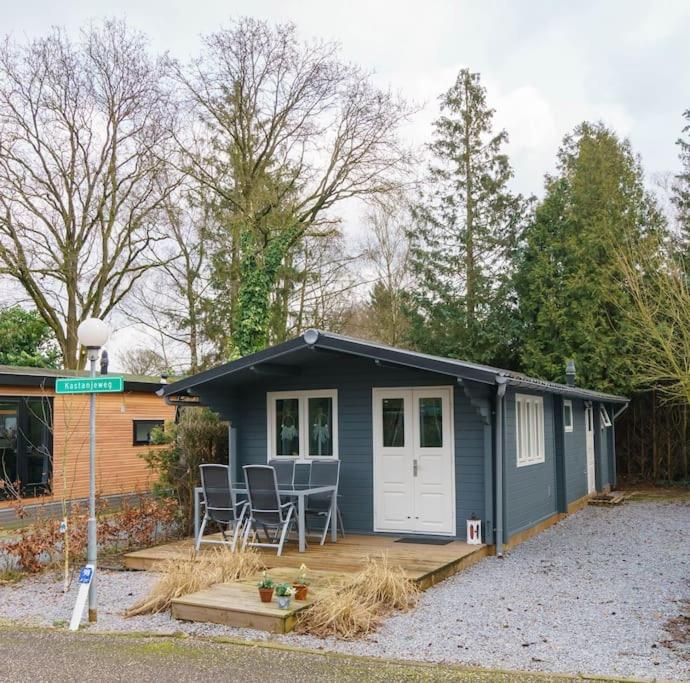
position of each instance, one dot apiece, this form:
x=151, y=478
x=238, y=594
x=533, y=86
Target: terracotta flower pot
x=266, y=594
x=300, y=591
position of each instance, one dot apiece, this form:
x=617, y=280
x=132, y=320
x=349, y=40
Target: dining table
x=300, y=492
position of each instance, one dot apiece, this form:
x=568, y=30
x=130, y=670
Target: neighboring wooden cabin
x=425, y=443
x=44, y=438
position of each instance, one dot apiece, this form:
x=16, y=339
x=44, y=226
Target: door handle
x=415, y=468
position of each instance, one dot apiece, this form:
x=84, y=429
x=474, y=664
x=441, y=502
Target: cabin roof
x=283, y=356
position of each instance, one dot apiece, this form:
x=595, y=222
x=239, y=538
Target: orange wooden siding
x=119, y=467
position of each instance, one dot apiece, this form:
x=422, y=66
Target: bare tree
x=287, y=132
x=172, y=302
x=387, y=251
x=143, y=361
x=660, y=314
x=83, y=131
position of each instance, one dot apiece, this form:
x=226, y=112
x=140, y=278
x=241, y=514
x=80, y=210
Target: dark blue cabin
x=425, y=443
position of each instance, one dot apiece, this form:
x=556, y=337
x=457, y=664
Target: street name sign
x=89, y=385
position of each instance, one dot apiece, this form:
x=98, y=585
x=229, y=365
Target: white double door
x=589, y=440
x=414, y=471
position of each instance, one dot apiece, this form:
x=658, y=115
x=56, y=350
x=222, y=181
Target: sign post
x=92, y=333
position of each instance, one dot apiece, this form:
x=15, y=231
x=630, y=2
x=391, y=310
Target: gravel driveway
x=590, y=595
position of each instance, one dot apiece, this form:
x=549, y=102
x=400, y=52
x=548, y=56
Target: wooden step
x=238, y=604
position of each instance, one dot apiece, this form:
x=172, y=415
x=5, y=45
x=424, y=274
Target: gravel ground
x=590, y=595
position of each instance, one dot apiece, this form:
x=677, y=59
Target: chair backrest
x=302, y=473
x=285, y=471
x=215, y=482
x=325, y=473
x=262, y=491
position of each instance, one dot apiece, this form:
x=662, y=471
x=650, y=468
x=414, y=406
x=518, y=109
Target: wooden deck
x=237, y=604
x=424, y=564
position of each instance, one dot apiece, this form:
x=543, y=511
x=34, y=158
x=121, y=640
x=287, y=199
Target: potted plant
x=284, y=593
x=301, y=584
x=266, y=588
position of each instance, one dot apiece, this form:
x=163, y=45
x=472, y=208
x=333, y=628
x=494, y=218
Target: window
x=393, y=422
x=529, y=423
x=568, y=416
x=142, y=431
x=25, y=446
x=430, y=422
x=605, y=419
x=302, y=424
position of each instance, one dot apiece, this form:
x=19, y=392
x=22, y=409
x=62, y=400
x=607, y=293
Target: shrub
x=136, y=524
x=357, y=606
x=200, y=436
x=181, y=577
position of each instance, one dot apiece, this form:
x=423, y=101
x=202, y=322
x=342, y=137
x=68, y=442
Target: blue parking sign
x=85, y=575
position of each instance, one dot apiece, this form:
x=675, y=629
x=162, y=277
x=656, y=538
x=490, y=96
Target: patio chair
x=324, y=473
x=265, y=507
x=220, y=505
x=285, y=471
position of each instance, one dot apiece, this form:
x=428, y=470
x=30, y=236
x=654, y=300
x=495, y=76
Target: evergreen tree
x=465, y=232
x=572, y=301
x=26, y=339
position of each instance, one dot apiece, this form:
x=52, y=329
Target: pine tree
x=465, y=232
x=572, y=301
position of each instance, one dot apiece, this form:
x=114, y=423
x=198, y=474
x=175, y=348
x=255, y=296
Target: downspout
x=498, y=439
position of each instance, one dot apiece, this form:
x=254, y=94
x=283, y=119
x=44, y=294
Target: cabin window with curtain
x=529, y=427
x=303, y=424
x=568, y=416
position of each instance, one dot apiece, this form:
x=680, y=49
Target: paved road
x=34, y=656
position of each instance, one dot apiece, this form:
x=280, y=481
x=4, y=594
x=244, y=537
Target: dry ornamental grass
x=182, y=577
x=357, y=607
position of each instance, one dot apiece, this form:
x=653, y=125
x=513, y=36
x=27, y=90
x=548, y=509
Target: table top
x=294, y=490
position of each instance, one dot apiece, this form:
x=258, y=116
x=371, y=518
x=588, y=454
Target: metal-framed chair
x=265, y=507
x=324, y=473
x=220, y=505
x=285, y=471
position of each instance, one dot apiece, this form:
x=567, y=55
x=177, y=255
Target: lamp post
x=92, y=333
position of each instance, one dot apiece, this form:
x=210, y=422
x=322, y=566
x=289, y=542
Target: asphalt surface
x=37, y=655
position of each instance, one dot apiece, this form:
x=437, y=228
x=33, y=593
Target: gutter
x=502, y=383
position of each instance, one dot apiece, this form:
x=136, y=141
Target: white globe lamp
x=93, y=333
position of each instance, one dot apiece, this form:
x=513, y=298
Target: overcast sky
x=547, y=65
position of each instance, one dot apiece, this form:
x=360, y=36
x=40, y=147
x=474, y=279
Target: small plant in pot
x=301, y=584
x=284, y=593
x=266, y=588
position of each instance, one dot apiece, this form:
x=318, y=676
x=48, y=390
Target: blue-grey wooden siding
x=354, y=379
x=529, y=491
x=576, y=454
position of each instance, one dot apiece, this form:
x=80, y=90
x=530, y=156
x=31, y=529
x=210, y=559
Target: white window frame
x=604, y=415
x=529, y=443
x=303, y=397
x=568, y=427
